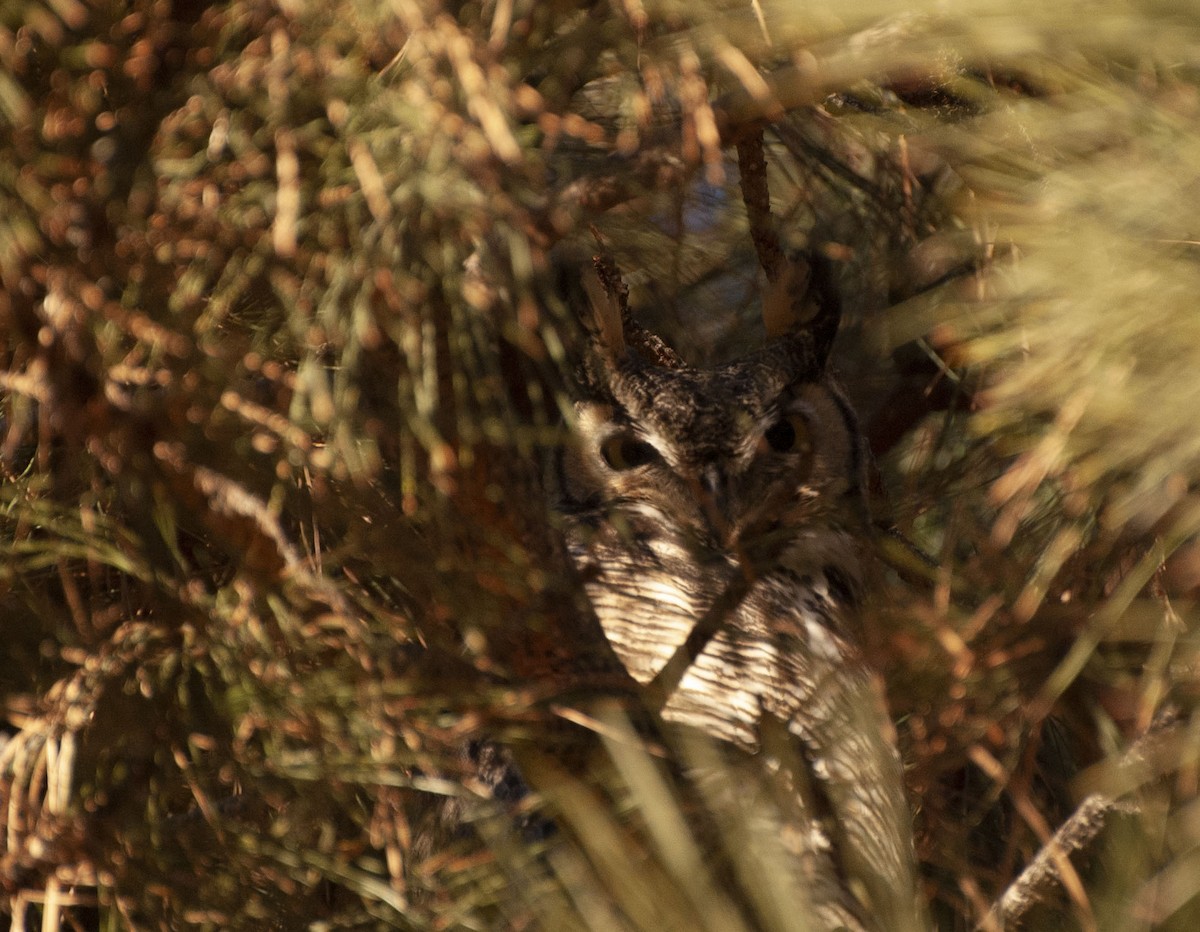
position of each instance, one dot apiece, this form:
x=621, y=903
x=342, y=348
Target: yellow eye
x=789, y=434
x=625, y=451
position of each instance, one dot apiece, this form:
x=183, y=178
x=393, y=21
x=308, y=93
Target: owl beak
x=717, y=499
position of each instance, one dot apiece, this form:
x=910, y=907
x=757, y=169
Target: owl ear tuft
x=607, y=306
x=614, y=331
x=803, y=304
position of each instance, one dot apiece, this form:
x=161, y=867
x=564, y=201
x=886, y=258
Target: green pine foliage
x=283, y=359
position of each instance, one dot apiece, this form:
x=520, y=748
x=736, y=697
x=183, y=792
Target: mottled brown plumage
x=718, y=517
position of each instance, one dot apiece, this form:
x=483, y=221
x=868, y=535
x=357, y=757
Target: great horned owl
x=718, y=518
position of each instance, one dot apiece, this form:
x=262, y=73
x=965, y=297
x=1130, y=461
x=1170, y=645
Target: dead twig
x=1045, y=872
x=752, y=166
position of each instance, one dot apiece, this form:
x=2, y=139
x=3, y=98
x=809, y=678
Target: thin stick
x=1045, y=872
x=752, y=166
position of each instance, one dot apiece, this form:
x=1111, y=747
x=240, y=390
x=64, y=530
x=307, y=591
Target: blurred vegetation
x=282, y=360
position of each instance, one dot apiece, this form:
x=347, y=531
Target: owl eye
x=624, y=451
x=788, y=435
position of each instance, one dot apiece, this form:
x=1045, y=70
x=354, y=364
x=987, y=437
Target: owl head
x=727, y=458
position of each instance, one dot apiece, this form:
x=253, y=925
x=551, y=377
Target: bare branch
x=752, y=165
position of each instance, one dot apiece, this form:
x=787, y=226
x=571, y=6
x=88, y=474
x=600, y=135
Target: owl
x=718, y=519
